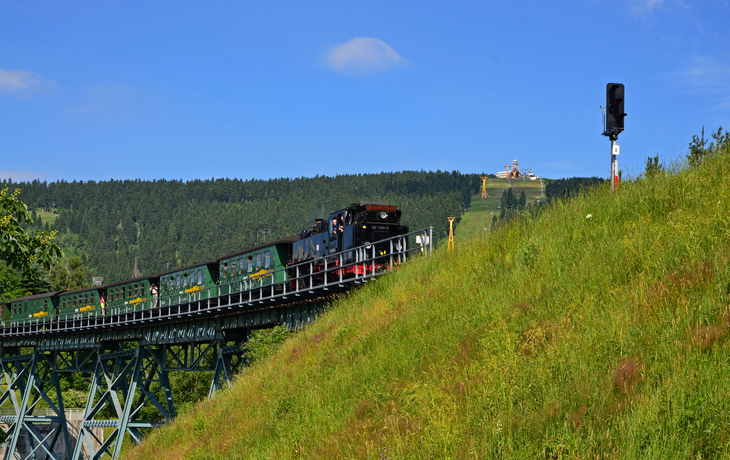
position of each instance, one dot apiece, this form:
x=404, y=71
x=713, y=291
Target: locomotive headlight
x=383, y=215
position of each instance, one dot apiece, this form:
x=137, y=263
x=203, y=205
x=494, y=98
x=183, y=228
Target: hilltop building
x=515, y=172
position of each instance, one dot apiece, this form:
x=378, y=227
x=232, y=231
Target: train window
x=250, y=263
x=172, y=283
x=73, y=300
x=185, y=279
x=233, y=268
x=117, y=297
x=258, y=261
x=225, y=270
x=136, y=290
x=178, y=281
x=240, y=266
x=45, y=305
x=267, y=261
x=164, y=285
x=200, y=276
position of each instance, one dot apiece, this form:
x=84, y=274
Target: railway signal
x=613, y=124
x=615, y=107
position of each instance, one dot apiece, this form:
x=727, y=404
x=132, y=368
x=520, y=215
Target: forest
x=121, y=229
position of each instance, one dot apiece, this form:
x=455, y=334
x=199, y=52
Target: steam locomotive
x=332, y=246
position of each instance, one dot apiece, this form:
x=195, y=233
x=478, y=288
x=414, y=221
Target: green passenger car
x=34, y=308
x=81, y=303
x=189, y=284
x=130, y=295
x=255, y=267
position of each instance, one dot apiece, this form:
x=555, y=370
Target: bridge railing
x=312, y=278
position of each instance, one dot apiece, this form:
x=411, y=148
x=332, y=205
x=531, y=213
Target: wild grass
x=597, y=329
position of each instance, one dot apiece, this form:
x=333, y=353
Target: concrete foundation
x=60, y=449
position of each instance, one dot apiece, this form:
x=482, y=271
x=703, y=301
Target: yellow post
x=484, y=187
x=451, y=233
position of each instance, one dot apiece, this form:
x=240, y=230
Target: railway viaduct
x=129, y=355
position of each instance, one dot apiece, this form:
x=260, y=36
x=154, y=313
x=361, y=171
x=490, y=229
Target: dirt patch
x=626, y=376
x=536, y=338
x=468, y=348
x=298, y=351
x=576, y=418
x=707, y=337
x=522, y=307
x=364, y=409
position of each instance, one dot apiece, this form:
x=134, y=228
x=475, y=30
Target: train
x=328, y=248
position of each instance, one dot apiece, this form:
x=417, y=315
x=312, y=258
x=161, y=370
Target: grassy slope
x=559, y=336
x=481, y=210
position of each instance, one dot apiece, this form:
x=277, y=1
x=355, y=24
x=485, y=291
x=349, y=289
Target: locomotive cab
x=360, y=224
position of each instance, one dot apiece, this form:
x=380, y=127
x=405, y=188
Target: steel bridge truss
x=130, y=392
x=130, y=354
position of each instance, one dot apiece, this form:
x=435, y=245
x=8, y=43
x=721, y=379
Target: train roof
x=141, y=278
x=285, y=240
x=363, y=203
x=35, y=296
x=76, y=291
x=366, y=203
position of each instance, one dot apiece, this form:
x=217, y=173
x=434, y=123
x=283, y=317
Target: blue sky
x=96, y=90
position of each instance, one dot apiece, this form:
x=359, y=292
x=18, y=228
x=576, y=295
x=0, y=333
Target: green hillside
x=594, y=329
x=482, y=210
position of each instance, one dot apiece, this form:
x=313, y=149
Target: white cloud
x=709, y=76
x=17, y=80
x=363, y=55
x=643, y=7
x=20, y=176
x=109, y=99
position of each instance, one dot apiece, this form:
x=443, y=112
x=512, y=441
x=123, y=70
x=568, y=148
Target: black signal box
x=615, y=108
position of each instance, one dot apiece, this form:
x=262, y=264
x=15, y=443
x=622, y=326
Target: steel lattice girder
x=127, y=380
x=33, y=376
